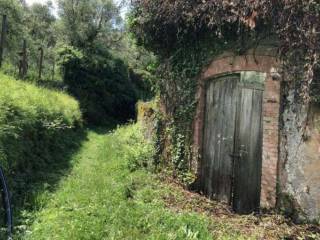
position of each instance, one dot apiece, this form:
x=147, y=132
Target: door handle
x=235, y=155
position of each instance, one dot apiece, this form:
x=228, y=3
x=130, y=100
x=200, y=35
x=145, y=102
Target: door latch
x=235, y=155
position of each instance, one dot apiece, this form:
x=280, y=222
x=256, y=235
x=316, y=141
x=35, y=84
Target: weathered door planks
x=247, y=174
x=219, y=137
x=232, y=153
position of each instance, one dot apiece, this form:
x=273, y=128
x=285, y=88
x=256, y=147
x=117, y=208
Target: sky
x=30, y=2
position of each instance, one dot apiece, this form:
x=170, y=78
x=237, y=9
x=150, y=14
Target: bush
x=137, y=152
x=34, y=124
x=38, y=129
x=101, y=82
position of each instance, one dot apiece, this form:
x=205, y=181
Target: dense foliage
x=103, y=84
x=110, y=77
x=31, y=122
x=37, y=26
x=87, y=22
x=165, y=25
x=91, y=65
x=186, y=35
x=14, y=12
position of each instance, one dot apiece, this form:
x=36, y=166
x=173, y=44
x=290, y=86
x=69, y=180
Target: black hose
x=6, y=202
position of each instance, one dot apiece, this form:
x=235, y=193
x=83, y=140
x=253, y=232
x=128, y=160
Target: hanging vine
x=187, y=34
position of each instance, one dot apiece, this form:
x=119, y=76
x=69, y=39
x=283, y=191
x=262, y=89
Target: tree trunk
x=40, y=62
x=3, y=37
x=53, y=69
x=23, y=64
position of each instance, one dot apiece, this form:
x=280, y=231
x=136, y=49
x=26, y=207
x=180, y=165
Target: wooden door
x=232, y=153
x=220, y=118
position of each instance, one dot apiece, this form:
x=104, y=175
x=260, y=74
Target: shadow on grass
x=41, y=169
x=41, y=161
x=111, y=125
x=55, y=162
x=103, y=130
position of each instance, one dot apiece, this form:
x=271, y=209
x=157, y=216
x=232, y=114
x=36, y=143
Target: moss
x=288, y=206
x=145, y=110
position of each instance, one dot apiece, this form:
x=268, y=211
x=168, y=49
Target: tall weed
x=137, y=151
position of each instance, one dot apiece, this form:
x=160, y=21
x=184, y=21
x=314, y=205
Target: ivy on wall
x=177, y=85
x=187, y=34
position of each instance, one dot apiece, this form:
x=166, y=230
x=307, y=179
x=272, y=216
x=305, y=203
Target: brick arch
x=227, y=63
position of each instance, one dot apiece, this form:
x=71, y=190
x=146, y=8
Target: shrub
x=34, y=124
x=101, y=82
x=136, y=150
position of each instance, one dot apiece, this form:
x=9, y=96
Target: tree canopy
x=85, y=22
x=86, y=49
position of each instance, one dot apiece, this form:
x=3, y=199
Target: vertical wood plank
x=247, y=178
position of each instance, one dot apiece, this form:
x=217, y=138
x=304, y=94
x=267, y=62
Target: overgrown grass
x=109, y=194
x=39, y=129
x=103, y=198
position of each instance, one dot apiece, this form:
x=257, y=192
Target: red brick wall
x=228, y=63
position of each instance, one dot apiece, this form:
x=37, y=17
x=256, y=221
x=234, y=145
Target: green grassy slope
x=31, y=119
x=39, y=129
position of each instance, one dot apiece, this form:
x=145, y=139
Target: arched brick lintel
x=227, y=64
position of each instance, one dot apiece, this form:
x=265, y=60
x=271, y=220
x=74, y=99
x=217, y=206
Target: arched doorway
x=232, y=140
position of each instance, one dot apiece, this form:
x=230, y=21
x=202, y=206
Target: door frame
x=247, y=79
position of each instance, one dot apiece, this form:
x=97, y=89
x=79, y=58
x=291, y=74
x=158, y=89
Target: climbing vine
x=177, y=85
x=187, y=34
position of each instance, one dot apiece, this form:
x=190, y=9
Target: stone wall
x=146, y=117
x=299, y=166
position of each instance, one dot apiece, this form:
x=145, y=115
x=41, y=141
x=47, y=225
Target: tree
x=40, y=23
x=15, y=29
x=85, y=22
x=41, y=27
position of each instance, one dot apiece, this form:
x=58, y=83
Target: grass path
x=106, y=195
x=103, y=199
